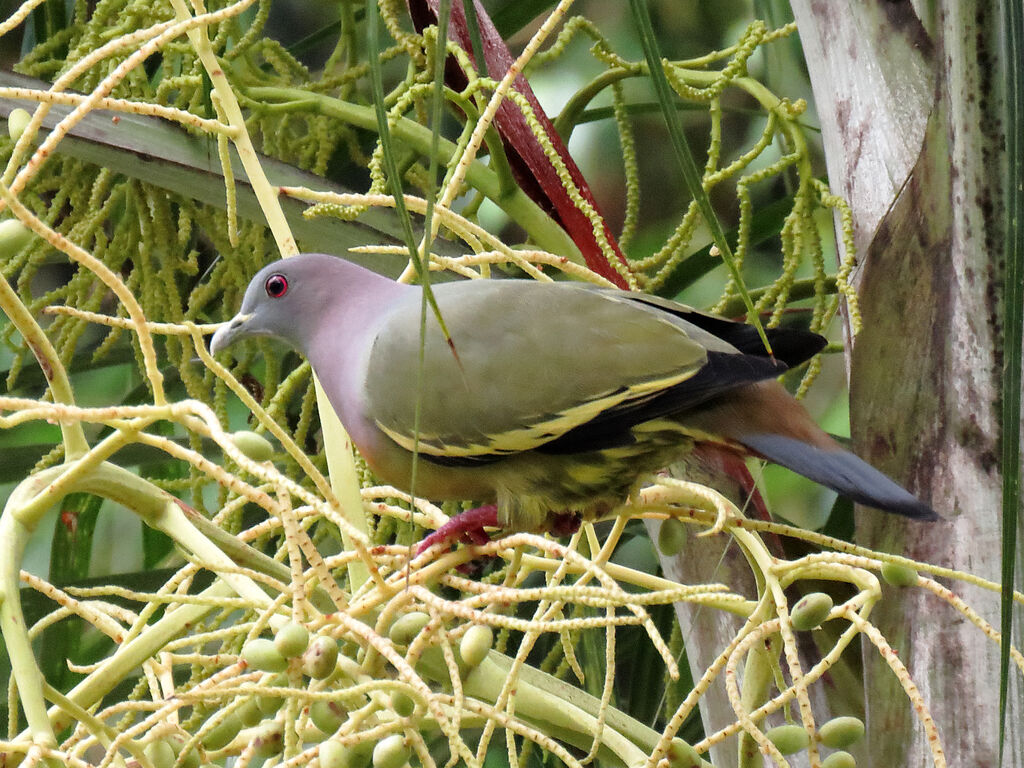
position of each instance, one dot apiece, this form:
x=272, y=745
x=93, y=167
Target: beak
x=228, y=333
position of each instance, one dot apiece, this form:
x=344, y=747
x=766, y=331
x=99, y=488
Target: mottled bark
x=912, y=131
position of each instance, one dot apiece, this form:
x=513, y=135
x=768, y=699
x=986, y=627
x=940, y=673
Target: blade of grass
x=436, y=116
x=1013, y=330
x=391, y=163
x=475, y=39
x=687, y=165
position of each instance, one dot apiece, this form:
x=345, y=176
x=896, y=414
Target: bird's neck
x=346, y=311
x=340, y=356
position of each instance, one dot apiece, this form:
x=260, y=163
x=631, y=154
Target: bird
x=542, y=400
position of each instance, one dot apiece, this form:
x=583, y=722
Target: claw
x=468, y=525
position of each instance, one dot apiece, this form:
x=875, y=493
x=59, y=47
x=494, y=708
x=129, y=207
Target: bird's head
x=295, y=299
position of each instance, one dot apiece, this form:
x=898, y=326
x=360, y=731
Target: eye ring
x=276, y=286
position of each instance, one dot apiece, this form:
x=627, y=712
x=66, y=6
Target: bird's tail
x=841, y=471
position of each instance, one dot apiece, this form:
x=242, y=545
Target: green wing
x=534, y=361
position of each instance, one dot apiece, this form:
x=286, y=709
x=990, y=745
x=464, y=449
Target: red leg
x=565, y=523
x=466, y=525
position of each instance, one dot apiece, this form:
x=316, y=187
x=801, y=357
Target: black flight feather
x=722, y=373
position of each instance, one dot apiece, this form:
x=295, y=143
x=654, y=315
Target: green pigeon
x=550, y=398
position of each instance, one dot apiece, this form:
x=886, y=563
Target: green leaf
x=151, y=149
x=1013, y=335
x=70, y=555
x=30, y=378
x=511, y=16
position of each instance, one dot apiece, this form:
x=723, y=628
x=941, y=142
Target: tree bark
x=912, y=128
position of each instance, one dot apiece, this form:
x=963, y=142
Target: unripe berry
x=788, y=738
x=261, y=654
x=160, y=754
x=839, y=760
x=682, y=755
x=841, y=732
x=475, y=644
x=335, y=755
x=268, y=739
x=253, y=445
x=249, y=713
x=402, y=704
x=320, y=657
x=391, y=752
x=17, y=122
x=810, y=610
x=291, y=640
x=177, y=741
x=406, y=627
x=327, y=715
x=671, y=537
x=899, y=575
x=13, y=236
x=221, y=734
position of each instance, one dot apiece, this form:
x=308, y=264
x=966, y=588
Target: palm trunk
x=911, y=121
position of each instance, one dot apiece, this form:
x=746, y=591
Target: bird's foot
x=466, y=526
x=565, y=523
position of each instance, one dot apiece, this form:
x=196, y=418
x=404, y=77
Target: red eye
x=276, y=286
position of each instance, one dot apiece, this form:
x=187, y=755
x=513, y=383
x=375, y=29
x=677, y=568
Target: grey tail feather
x=841, y=471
